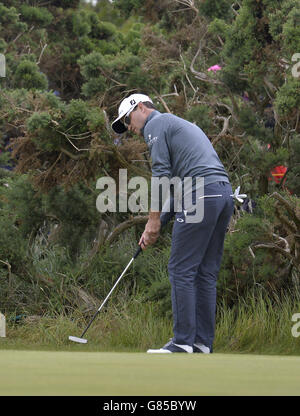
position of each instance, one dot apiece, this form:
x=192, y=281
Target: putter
x=82, y=340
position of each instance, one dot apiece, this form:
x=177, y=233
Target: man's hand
x=151, y=233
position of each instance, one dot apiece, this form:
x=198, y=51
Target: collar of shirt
x=153, y=114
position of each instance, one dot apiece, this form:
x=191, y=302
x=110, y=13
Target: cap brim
x=118, y=127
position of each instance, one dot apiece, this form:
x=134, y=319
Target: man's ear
x=142, y=107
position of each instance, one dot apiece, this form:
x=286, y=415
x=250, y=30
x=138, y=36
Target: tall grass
x=256, y=324
x=259, y=324
x=123, y=326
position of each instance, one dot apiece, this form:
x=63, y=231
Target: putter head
x=79, y=340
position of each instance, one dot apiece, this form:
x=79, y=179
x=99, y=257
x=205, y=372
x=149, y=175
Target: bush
x=216, y=9
x=288, y=97
x=29, y=76
x=200, y=115
x=38, y=121
x=38, y=15
x=244, y=266
x=13, y=245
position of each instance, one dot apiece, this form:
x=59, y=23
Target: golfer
x=179, y=148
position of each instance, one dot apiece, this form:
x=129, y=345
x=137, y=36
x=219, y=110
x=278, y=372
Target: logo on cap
x=132, y=102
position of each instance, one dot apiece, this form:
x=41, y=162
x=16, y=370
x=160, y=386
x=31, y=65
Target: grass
x=132, y=326
x=254, y=353
x=66, y=373
x=258, y=324
x=255, y=325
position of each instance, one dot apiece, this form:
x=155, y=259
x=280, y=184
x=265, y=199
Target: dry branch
x=201, y=75
x=276, y=248
x=190, y=5
x=224, y=129
x=140, y=219
x=289, y=208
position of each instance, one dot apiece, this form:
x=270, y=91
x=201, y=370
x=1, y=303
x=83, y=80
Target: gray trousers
x=194, y=264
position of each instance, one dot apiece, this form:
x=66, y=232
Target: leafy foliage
x=224, y=66
x=36, y=15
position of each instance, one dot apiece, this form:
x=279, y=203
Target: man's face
x=137, y=119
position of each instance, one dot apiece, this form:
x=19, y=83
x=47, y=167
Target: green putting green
x=102, y=373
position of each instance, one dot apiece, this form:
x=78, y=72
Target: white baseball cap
x=125, y=108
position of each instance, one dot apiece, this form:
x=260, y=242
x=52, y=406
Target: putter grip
x=139, y=250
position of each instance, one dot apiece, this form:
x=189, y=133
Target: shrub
x=29, y=76
x=38, y=15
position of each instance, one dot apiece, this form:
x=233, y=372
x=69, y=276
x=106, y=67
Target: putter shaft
x=105, y=300
x=139, y=250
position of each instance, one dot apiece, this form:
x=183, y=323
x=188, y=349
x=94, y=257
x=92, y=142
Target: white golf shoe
x=170, y=348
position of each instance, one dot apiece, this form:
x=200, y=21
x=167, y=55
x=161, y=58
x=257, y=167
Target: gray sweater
x=180, y=148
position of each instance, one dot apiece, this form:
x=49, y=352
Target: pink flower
x=215, y=68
